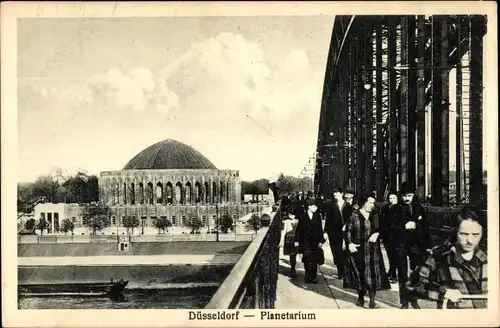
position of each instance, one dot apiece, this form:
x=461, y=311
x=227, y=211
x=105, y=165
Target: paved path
x=293, y=293
x=128, y=260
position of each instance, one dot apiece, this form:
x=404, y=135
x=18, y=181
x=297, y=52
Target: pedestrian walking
x=309, y=240
x=289, y=248
x=388, y=218
x=365, y=270
x=337, y=211
x=412, y=240
x=458, y=268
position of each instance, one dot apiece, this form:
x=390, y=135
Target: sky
x=244, y=91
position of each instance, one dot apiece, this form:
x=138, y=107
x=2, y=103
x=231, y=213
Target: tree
x=162, y=224
x=30, y=224
x=42, y=225
x=45, y=186
x=224, y=222
x=195, y=224
x=95, y=216
x=67, y=225
x=130, y=222
x=254, y=222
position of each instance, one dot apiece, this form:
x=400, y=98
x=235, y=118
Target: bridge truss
x=395, y=87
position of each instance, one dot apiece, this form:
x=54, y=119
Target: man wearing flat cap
x=309, y=239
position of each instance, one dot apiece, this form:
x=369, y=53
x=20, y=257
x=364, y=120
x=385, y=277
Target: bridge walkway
x=328, y=293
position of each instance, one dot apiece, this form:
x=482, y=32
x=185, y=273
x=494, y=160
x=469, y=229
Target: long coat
x=365, y=268
x=389, y=215
x=309, y=234
x=336, y=218
x=419, y=237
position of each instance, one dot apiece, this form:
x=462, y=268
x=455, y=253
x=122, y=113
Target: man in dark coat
x=309, y=239
x=337, y=211
x=388, y=217
x=412, y=240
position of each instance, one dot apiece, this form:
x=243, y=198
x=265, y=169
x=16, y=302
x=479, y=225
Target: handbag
x=289, y=247
x=320, y=256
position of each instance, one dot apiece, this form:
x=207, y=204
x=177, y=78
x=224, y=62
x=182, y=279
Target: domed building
x=170, y=179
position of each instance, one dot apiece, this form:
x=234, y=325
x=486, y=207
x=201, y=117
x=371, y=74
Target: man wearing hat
x=309, y=240
x=337, y=213
x=412, y=239
x=349, y=198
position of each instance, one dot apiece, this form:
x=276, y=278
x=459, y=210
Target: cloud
x=221, y=91
x=228, y=78
x=296, y=60
x=137, y=89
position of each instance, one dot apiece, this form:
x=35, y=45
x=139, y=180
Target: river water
x=195, y=298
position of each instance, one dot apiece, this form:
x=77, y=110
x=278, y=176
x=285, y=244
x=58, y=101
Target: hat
x=311, y=202
x=406, y=188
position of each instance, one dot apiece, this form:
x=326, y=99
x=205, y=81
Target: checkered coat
x=365, y=268
x=447, y=269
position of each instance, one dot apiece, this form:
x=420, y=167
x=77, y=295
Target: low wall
x=154, y=248
x=137, y=275
x=79, y=239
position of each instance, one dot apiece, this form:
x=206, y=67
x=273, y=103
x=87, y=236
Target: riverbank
x=137, y=275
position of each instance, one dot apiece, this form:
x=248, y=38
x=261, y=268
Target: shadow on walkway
x=320, y=288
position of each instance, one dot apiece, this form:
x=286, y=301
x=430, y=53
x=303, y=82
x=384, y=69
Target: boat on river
x=73, y=289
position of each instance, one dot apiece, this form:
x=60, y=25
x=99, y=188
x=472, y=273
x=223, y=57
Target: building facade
x=171, y=180
x=54, y=214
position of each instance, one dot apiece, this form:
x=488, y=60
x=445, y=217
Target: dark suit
x=336, y=218
x=309, y=234
x=389, y=215
x=410, y=243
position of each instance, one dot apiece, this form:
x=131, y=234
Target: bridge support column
x=421, y=83
x=478, y=29
x=440, y=115
x=393, y=129
x=380, y=178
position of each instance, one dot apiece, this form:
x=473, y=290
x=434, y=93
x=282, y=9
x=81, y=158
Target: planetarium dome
x=169, y=154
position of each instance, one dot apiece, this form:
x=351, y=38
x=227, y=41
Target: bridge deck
x=293, y=293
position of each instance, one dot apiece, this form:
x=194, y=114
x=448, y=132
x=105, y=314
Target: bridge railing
x=252, y=282
x=441, y=219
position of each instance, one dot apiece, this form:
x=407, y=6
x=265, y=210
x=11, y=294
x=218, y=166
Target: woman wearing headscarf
x=366, y=271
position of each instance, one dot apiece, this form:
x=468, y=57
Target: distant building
x=56, y=213
x=166, y=180
x=171, y=180
x=248, y=198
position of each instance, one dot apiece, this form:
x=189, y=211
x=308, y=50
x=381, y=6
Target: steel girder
x=384, y=74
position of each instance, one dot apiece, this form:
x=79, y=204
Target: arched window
x=198, y=192
x=132, y=193
x=214, y=193
x=228, y=187
x=114, y=191
x=178, y=193
x=125, y=193
x=222, y=198
x=169, y=193
x=141, y=193
x=150, y=194
x=188, y=193
x=159, y=193
x=207, y=193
